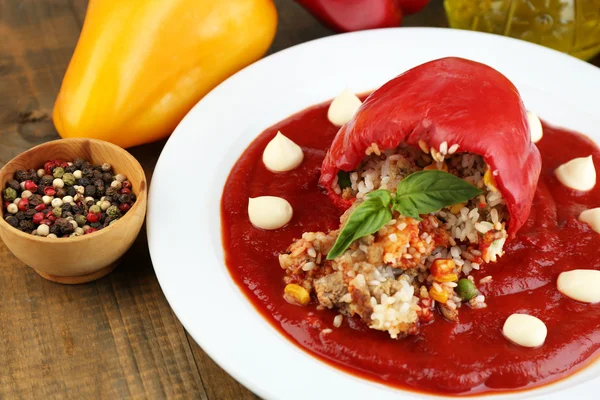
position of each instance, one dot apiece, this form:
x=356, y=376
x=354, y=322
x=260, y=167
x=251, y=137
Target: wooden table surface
x=116, y=337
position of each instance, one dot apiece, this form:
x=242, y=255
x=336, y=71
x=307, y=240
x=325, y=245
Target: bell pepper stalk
x=140, y=66
x=450, y=100
x=356, y=15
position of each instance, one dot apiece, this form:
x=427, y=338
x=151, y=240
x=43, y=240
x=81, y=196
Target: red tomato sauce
x=467, y=357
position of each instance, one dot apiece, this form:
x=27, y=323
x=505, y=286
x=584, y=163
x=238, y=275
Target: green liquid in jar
x=570, y=26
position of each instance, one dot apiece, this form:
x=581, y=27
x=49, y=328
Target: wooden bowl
x=82, y=258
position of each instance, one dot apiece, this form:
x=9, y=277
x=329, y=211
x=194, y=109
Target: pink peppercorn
x=125, y=191
x=90, y=230
x=49, y=166
x=91, y=217
x=31, y=186
x=49, y=191
x=40, y=207
x=124, y=207
x=126, y=185
x=23, y=204
x=46, y=221
x=38, y=217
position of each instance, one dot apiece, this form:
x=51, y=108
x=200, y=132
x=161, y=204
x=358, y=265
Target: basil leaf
x=428, y=191
x=344, y=179
x=367, y=218
x=407, y=209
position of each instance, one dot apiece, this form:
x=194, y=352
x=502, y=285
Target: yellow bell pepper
x=140, y=65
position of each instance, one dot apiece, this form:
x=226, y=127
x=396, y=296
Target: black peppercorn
x=46, y=180
x=107, y=177
x=20, y=215
x=35, y=200
x=14, y=184
x=87, y=172
x=63, y=224
x=26, y=226
x=61, y=192
x=90, y=190
x=40, y=190
x=124, y=198
x=66, y=214
x=107, y=220
x=71, y=191
x=70, y=168
x=66, y=207
x=78, y=163
x=33, y=176
x=30, y=213
x=21, y=175
x=110, y=191
x=97, y=174
x=84, y=182
x=133, y=197
x=12, y=221
x=75, y=209
x=86, y=165
x=54, y=229
x=90, y=203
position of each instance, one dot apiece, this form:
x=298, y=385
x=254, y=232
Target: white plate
x=186, y=247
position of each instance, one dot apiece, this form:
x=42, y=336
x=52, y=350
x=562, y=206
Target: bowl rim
x=104, y=231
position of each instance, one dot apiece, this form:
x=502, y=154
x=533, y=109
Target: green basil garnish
x=366, y=219
x=428, y=191
x=344, y=179
x=419, y=193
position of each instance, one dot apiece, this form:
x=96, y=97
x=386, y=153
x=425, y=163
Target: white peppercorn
x=85, y=228
x=79, y=231
x=41, y=172
x=58, y=183
x=56, y=202
x=22, y=184
x=73, y=223
x=17, y=200
x=116, y=184
x=26, y=194
x=43, y=230
x=47, y=199
x=12, y=208
x=77, y=174
x=51, y=235
x=89, y=198
x=68, y=199
x=104, y=205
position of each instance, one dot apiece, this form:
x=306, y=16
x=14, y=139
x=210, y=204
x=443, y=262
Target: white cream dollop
x=281, y=154
x=578, y=174
x=580, y=284
x=343, y=108
x=592, y=218
x=535, y=127
x=269, y=212
x=525, y=330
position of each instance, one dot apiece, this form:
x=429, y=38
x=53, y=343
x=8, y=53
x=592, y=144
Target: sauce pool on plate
x=466, y=357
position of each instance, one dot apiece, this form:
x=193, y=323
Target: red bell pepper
x=356, y=15
x=449, y=100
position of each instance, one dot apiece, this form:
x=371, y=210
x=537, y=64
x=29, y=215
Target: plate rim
x=154, y=197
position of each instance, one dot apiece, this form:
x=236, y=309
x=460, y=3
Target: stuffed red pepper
x=436, y=170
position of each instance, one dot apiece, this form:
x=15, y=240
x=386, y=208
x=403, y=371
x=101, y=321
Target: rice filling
x=394, y=279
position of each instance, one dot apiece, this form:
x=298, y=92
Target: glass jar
x=570, y=26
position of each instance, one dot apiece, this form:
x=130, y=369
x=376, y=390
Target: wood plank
x=116, y=337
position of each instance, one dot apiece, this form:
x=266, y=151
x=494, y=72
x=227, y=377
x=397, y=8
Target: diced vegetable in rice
x=394, y=279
